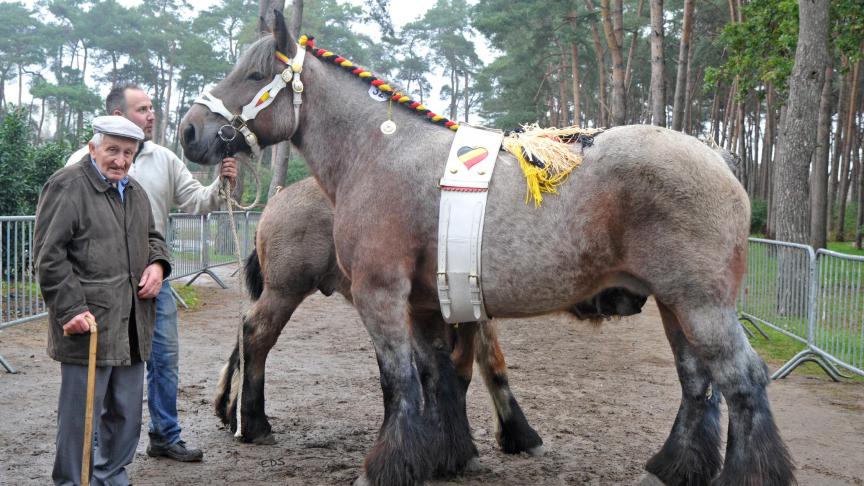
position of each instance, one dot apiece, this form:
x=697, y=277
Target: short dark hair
x=116, y=99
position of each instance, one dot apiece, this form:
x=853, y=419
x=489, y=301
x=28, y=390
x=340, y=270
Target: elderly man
x=168, y=182
x=98, y=255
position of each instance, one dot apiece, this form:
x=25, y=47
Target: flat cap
x=117, y=126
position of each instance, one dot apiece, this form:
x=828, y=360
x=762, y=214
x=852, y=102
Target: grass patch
x=846, y=247
x=189, y=294
x=781, y=348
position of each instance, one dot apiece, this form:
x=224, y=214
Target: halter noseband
x=261, y=100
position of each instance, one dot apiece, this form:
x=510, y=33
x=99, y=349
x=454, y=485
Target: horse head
x=246, y=111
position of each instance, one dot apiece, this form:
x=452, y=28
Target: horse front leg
x=444, y=395
x=262, y=326
x=513, y=433
x=400, y=455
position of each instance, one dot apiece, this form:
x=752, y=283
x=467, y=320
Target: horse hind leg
x=261, y=329
x=463, y=345
x=226, y=390
x=755, y=453
x=691, y=454
x=513, y=433
x=444, y=411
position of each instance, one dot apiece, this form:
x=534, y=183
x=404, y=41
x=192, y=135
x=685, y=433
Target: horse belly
x=537, y=260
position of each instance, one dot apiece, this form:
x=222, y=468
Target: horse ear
x=283, y=38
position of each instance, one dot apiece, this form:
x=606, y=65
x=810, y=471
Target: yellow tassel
x=544, y=144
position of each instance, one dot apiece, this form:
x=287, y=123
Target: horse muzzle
x=199, y=136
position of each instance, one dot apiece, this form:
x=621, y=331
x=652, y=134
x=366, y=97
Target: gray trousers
x=119, y=395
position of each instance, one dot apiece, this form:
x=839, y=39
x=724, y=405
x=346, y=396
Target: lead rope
x=225, y=194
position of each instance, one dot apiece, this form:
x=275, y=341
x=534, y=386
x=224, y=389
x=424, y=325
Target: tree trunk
x=727, y=114
x=628, y=70
x=846, y=166
x=683, y=55
x=800, y=123
x=797, y=146
x=859, y=220
x=466, y=96
x=833, y=179
x=41, y=120
x=282, y=152
x=819, y=171
x=767, y=144
x=658, y=66
x=740, y=140
x=602, y=111
x=715, y=115
x=564, y=106
x=167, y=109
x=20, y=83
x=574, y=68
x=618, y=105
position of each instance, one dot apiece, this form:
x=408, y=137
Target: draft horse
x=295, y=257
x=649, y=210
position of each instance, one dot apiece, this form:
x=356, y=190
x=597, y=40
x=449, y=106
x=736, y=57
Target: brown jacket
x=90, y=251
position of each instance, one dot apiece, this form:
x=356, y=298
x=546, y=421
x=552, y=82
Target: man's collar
x=146, y=147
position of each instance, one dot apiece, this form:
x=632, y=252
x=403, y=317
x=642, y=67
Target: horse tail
x=254, y=279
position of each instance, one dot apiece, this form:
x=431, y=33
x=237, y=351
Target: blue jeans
x=163, y=371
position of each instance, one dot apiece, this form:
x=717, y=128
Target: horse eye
x=256, y=76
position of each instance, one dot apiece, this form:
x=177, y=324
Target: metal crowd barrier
x=838, y=333
x=198, y=243
x=20, y=298
x=816, y=298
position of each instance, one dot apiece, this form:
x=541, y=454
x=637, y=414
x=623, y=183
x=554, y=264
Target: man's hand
x=151, y=281
x=229, y=169
x=78, y=324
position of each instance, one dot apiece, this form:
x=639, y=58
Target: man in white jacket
x=168, y=182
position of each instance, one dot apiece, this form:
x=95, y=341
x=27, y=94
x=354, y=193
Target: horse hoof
x=538, y=451
x=362, y=480
x=474, y=466
x=267, y=439
x=648, y=479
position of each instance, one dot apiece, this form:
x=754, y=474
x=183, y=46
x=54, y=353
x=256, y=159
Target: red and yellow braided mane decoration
x=308, y=42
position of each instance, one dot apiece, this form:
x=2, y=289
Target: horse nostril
x=189, y=134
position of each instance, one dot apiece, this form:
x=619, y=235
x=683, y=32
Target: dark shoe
x=177, y=451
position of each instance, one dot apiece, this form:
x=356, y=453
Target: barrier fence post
x=808, y=354
x=205, y=254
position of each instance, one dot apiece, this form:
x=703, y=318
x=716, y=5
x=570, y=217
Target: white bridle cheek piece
x=251, y=110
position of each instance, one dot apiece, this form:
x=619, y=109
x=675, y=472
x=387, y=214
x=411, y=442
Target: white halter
x=261, y=100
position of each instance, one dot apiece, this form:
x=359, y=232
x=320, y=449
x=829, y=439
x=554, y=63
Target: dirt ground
x=603, y=399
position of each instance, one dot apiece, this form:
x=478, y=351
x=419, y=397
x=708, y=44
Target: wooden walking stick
x=88, y=412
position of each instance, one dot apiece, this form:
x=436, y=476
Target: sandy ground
x=602, y=398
